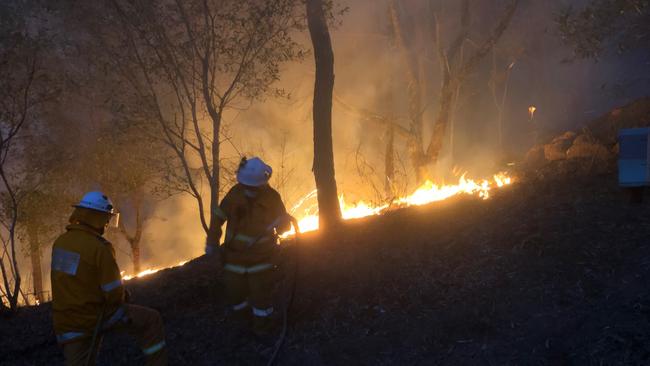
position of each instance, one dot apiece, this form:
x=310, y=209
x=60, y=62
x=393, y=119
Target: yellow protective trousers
x=251, y=289
x=144, y=324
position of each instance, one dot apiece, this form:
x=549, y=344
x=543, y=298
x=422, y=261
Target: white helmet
x=96, y=201
x=253, y=172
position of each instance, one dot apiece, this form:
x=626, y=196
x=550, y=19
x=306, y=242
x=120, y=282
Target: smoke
x=370, y=76
x=173, y=234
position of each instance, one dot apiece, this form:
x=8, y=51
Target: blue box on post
x=633, y=157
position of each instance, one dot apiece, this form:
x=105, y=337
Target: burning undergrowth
x=306, y=208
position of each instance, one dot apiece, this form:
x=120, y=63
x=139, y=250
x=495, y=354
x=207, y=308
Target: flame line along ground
x=429, y=192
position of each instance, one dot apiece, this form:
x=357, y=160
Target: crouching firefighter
x=255, y=215
x=88, y=297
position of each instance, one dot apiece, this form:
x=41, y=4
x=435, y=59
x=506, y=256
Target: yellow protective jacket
x=85, y=281
x=252, y=220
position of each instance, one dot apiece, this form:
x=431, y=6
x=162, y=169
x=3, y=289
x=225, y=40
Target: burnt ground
x=551, y=271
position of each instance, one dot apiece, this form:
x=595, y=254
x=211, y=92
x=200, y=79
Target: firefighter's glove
x=211, y=249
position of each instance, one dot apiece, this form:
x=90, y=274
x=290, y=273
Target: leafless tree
x=454, y=70
x=393, y=127
x=127, y=164
x=498, y=84
x=23, y=89
x=185, y=65
x=42, y=197
x=404, y=38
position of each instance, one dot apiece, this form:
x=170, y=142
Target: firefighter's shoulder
x=82, y=234
x=85, y=245
x=272, y=194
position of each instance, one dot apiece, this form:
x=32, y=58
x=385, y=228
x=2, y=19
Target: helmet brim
x=94, y=209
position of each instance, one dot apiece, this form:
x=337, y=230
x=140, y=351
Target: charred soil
x=551, y=271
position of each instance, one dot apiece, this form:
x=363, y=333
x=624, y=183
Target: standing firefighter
x=255, y=215
x=88, y=294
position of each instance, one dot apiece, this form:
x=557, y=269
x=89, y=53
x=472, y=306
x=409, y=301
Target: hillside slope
x=550, y=271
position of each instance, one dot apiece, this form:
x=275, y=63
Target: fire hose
x=94, y=343
x=289, y=290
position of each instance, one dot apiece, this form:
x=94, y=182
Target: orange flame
x=149, y=271
x=429, y=192
x=531, y=112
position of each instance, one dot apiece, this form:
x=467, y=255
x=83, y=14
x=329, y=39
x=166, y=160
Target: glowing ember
x=531, y=112
x=149, y=271
x=427, y=193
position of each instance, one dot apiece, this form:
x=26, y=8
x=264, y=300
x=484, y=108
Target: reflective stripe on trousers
x=68, y=336
x=116, y=317
x=108, y=287
x=262, y=313
x=240, y=306
x=243, y=270
x=153, y=349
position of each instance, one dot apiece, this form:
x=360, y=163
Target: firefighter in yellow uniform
x=88, y=297
x=255, y=215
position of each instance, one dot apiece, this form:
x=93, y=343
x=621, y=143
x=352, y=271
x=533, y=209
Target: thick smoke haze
x=370, y=75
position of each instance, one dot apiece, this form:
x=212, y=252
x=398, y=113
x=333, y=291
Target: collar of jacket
x=262, y=198
x=86, y=228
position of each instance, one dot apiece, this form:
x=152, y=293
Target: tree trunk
x=452, y=127
x=13, y=272
x=390, y=162
x=214, y=227
x=139, y=227
x=35, y=255
x=135, y=255
x=328, y=202
x=454, y=72
x=442, y=121
x=389, y=155
x=414, y=95
x=137, y=198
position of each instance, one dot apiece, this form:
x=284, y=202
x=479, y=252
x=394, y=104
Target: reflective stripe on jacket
x=244, y=270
